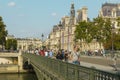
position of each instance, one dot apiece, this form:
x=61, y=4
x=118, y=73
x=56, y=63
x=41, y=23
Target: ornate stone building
x=112, y=11
x=62, y=35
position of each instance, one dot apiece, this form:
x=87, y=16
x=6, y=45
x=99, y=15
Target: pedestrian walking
x=115, y=63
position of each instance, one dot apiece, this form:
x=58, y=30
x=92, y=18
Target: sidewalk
x=96, y=66
x=101, y=66
x=99, y=57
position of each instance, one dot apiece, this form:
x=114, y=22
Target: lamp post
x=112, y=37
x=42, y=38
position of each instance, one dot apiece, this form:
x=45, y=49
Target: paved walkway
x=101, y=63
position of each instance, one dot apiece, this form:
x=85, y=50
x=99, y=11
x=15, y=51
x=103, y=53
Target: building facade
x=62, y=35
x=111, y=11
x=28, y=43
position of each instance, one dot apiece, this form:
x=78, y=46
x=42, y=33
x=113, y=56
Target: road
x=99, y=62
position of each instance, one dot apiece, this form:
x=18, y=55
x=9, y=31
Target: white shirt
x=75, y=56
x=46, y=53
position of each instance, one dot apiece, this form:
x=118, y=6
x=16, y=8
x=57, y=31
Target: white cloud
x=11, y=4
x=54, y=14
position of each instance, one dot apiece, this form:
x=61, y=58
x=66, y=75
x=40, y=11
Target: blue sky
x=31, y=18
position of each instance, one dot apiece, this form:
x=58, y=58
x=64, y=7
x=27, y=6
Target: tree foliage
x=118, y=21
x=11, y=44
x=99, y=29
x=116, y=42
x=3, y=32
x=102, y=29
x=83, y=31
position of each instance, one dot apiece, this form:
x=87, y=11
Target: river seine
x=24, y=76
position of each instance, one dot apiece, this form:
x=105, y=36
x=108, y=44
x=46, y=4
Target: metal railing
x=68, y=71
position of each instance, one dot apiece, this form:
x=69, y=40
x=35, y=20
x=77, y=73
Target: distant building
x=62, y=35
x=111, y=11
x=10, y=37
x=82, y=14
x=28, y=43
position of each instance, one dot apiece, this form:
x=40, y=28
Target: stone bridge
x=11, y=62
x=52, y=69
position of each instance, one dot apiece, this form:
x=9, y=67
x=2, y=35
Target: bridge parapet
x=59, y=70
x=11, y=62
x=9, y=54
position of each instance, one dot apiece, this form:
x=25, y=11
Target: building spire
x=72, y=11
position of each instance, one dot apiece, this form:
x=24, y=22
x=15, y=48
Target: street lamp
x=42, y=38
x=112, y=37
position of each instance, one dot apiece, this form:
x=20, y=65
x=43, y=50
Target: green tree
x=118, y=20
x=115, y=38
x=99, y=29
x=116, y=42
x=3, y=32
x=103, y=29
x=83, y=32
x=11, y=44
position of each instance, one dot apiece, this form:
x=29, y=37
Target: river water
x=24, y=76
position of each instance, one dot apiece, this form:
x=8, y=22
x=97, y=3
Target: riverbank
x=10, y=68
